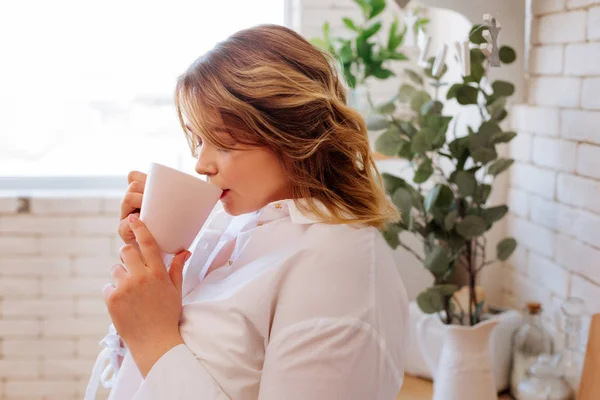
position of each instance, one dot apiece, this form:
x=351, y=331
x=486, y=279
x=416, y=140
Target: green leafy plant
x=446, y=203
x=362, y=54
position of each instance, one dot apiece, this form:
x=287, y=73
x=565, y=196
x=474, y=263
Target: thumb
x=176, y=268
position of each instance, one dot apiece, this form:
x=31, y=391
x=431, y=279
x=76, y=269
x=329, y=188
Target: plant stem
x=471, y=280
x=484, y=264
x=414, y=253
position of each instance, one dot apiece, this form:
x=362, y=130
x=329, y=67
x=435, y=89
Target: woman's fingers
x=125, y=231
x=132, y=259
x=118, y=273
x=132, y=201
x=136, y=176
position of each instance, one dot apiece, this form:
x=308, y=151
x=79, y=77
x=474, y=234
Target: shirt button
x=278, y=205
x=259, y=224
x=229, y=262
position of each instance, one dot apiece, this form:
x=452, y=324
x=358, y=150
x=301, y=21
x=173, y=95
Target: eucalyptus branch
x=414, y=253
x=484, y=264
x=484, y=238
x=462, y=310
x=440, y=170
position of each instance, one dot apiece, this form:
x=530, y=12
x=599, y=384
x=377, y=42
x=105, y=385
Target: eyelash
x=219, y=149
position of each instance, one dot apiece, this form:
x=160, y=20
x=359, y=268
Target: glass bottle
x=571, y=357
x=544, y=381
x=529, y=341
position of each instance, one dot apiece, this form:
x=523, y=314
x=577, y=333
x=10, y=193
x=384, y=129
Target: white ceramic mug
x=175, y=206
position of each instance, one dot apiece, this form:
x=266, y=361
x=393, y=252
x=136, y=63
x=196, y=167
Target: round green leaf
x=415, y=77
x=445, y=289
x=476, y=34
x=376, y=122
x=405, y=93
x=505, y=248
x=403, y=201
x=445, y=197
x=418, y=99
x=489, y=128
x=437, y=261
x=430, y=302
x=391, y=182
x=482, y=193
x=407, y=128
x=391, y=235
x=386, y=108
x=500, y=165
x=471, y=226
x=450, y=220
x=390, y=142
x=494, y=214
x=502, y=137
x=466, y=183
x=503, y=88
x=484, y=155
x=432, y=107
x=466, y=95
x=423, y=172
x=497, y=108
x=421, y=143
x=452, y=91
x=507, y=55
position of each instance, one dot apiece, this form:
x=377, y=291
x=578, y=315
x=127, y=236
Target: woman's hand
x=145, y=301
x=131, y=204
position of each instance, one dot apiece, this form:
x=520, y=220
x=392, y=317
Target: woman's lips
x=225, y=191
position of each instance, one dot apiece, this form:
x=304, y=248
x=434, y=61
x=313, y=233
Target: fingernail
x=187, y=257
x=133, y=218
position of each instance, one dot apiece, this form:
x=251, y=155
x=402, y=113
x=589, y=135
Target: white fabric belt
x=104, y=373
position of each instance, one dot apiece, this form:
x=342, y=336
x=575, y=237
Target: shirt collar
x=287, y=207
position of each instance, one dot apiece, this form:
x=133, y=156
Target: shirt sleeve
x=179, y=375
x=317, y=359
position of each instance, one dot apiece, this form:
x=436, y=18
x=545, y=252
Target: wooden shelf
x=421, y=389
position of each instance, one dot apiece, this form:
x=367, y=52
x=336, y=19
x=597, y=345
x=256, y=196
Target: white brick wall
x=582, y=59
x=547, y=60
x=593, y=32
x=589, y=96
x=54, y=261
x=565, y=27
x=554, y=193
x=547, y=6
x=580, y=125
x=555, y=91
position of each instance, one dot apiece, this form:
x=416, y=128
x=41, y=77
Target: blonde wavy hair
x=272, y=88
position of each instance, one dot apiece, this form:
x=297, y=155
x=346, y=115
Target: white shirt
x=301, y=310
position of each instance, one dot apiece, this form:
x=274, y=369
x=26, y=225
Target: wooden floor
x=420, y=389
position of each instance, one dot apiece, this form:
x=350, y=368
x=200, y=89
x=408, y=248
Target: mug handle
x=421, y=333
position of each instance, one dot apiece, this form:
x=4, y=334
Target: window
x=87, y=87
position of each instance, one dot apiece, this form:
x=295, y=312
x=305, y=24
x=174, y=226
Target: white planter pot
x=500, y=345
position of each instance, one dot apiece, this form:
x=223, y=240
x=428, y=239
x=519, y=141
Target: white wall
x=54, y=261
x=555, y=184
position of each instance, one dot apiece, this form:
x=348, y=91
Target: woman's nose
x=206, y=164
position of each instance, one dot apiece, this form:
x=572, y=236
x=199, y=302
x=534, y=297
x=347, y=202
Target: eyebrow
x=218, y=129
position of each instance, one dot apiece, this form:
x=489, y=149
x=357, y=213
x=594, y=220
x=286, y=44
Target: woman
x=290, y=292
